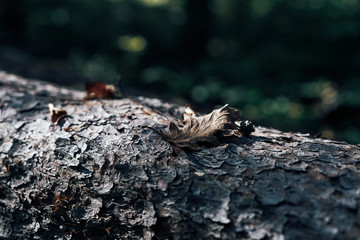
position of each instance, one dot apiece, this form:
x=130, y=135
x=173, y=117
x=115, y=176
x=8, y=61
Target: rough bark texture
x=104, y=173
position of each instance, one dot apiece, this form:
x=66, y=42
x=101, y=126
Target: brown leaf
x=194, y=131
x=99, y=90
x=56, y=113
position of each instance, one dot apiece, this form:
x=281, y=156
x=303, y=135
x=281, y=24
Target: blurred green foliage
x=288, y=64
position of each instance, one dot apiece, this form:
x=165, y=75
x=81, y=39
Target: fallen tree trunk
x=104, y=172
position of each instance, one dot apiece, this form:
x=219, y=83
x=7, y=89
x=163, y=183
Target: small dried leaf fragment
x=245, y=127
x=194, y=131
x=56, y=113
x=99, y=90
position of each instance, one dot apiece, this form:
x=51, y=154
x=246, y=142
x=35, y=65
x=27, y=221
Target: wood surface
x=104, y=172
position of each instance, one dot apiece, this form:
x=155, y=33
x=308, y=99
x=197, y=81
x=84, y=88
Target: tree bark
x=103, y=172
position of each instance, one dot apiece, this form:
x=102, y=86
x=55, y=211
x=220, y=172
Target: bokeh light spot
x=154, y=3
x=295, y=110
x=151, y=75
x=199, y=94
x=216, y=47
x=232, y=96
x=132, y=43
x=60, y=17
x=261, y=7
x=329, y=93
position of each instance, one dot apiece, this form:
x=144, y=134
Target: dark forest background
x=287, y=64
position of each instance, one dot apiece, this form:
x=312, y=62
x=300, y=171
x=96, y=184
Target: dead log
x=104, y=172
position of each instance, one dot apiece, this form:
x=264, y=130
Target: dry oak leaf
x=99, y=90
x=195, y=131
x=56, y=113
